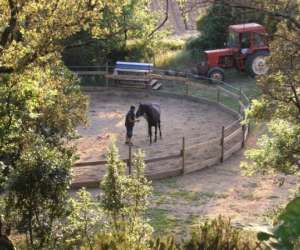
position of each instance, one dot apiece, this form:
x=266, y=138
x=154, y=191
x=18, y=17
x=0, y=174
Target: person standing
x=129, y=124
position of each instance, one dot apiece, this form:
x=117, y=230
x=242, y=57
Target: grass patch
x=211, y=195
x=170, y=182
x=244, y=81
x=193, y=219
x=170, y=44
x=185, y=195
x=161, y=220
x=159, y=198
x=191, y=196
x=180, y=60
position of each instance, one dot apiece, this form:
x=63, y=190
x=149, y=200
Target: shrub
x=124, y=201
x=286, y=232
x=219, y=234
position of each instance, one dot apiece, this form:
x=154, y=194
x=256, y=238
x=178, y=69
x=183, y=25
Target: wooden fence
x=193, y=156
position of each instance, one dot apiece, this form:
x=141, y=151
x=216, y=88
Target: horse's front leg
x=155, y=139
x=150, y=133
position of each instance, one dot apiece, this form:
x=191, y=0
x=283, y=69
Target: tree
x=40, y=107
x=183, y=8
x=83, y=221
x=124, y=201
x=127, y=35
x=38, y=191
x=279, y=105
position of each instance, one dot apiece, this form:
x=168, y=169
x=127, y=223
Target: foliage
x=285, y=234
x=279, y=104
x=37, y=187
x=90, y=54
x=40, y=107
x=219, y=234
x=164, y=243
x=216, y=234
x=124, y=201
x=126, y=25
x=39, y=112
x=83, y=221
x=183, y=8
x=272, y=152
x=181, y=60
x=279, y=107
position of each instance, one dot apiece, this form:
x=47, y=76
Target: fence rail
x=192, y=155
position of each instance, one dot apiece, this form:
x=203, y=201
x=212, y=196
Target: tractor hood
x=213, y=57
x=220, y=52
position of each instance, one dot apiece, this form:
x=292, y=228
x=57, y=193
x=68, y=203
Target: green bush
x=171, y=44
x=219, y=234
x=286, y=232
x=164, y=243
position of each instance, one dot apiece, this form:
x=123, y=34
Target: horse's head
x=140, y=111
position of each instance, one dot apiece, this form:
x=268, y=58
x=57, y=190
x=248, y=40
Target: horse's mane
x=152, y=112
x=151, y=106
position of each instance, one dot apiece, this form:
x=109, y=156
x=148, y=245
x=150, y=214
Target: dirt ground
x=181, y=202
x=220, y=190
x=196, y=122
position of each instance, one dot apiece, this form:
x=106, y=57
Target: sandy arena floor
x=197, y=122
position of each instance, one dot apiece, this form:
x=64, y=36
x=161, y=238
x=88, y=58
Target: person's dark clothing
x=130, y=117
x=129, y=132
x=129, y=123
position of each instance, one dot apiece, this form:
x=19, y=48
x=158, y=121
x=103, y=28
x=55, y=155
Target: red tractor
x=247, y=49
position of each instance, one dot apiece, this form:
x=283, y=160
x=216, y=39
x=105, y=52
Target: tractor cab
x=246, y=50
x=247, y=37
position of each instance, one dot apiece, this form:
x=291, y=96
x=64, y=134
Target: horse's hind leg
x=159, y=129
x=155, y=140
x=150, y=133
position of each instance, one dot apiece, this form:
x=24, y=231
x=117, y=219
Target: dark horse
x=151, y=113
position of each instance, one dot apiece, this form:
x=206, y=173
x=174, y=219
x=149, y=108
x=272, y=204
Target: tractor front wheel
x=256, y=64
x=216, y=74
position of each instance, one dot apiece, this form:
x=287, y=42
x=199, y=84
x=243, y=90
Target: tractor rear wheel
x=216, y=74
x=256, y=64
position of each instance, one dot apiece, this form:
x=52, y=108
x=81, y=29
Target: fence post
x=244, y=127
x=222, y=144
x=187, y=88
x=106, y=73
x=129, y=163
x=240, y=93
x=248, y=125
x=218, y=95
x=243, y=139
x=240, y=101
x=183, y=154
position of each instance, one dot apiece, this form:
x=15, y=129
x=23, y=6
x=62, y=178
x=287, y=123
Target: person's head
x=132, y=108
